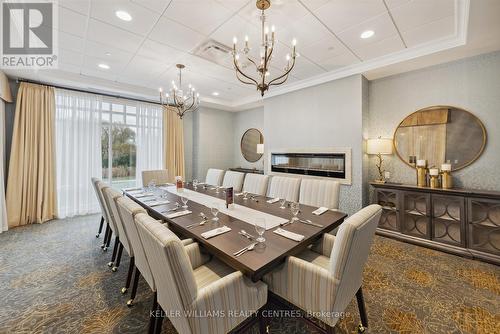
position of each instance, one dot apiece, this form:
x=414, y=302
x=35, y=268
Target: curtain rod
x=85, y=91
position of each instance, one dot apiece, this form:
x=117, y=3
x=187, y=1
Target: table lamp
x=379, y=146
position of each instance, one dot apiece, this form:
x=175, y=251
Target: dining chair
x=284, y=187
x=102, y=187
x=99, y=186
x=99, y=231
x=159, y=176
x=324, y=279
x=319, y=193
x=214, y=177
x=191, y=283
x=256, y=184
x=233, y=179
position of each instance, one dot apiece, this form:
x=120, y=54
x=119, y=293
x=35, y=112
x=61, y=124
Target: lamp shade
x=260, y=148
x=379, y=145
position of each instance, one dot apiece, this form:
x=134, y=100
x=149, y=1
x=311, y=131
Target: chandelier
x=181, y=102
x=263, y=80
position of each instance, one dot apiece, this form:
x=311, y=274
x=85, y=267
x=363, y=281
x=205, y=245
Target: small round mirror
x=440, y=134
x=248, y=145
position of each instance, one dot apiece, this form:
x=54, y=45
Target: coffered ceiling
x=142, y=53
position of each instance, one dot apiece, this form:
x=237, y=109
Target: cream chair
x=233, y=179
x=214, y=177
x=94, y=184
x=325, y=278
x=256, y=184
x=159, y=176
x=99, y=186
x=284, y=187
x=319, y=193
x=190, y=284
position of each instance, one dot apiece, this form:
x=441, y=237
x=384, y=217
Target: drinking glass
x=215, y=211
x=195, y=183
x=294, y=206
x=184, y=201
x=217, y=189
x=151, y=186
x=245, y=195
x=282, y=203
x=260, y=228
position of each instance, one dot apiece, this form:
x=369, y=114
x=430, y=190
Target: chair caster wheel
x=130, y=303
x=361, y=328
x=105, y=248
x=110, y=264
x=124, y=291
x=97, y=235
x=114, y=269
x=102, y=246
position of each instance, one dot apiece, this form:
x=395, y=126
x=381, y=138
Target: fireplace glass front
x=314, y=164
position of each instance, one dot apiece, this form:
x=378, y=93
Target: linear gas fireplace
x=316, y=164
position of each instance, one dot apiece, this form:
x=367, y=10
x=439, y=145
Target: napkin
x=289, y=235
x=274, y=200
x=132, y=189
x=156, y=203
x=178, y=214
x=141, y=195
x=215, y=232
x=238, y=194
x=320, y=211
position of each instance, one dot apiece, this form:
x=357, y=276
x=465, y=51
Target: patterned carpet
x=54, y=279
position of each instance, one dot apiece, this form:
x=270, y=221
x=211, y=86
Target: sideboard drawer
x=484, y=225
x=389, y=200
x=448, y=219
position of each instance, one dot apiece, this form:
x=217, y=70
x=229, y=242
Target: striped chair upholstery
x=319, y=193
x=190, y=283
x=256, y=184
x=111, y=196
x=325, y=278
x=101, y=187
x=159, y=176
x=284, y=187
x=233, y=179
x=214, y=177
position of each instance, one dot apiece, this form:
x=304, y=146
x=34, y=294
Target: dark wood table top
x=263, y=258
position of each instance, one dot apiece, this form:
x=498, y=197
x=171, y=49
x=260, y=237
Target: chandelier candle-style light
x=263, y=80
x=182, y=102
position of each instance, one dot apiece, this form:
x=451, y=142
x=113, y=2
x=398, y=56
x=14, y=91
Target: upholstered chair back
x=128, y=209
x=350, y=252
x=160, y=176
x=111, y=195
x=285, y=187
x=95, y=180
x=319, y=193
x=171, y=269
x=233, y=179
x=256, y=184
x=214, y=177
x=101, y=186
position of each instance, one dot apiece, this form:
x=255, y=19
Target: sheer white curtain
x=78, y=151
x=3, y=211
x=149, y=138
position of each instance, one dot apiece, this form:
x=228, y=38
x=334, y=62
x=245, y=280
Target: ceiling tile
x=144, y=68
x=202, y=16
x=91, y=63
x=307, y=30
x=155, y=5
x=314, y=4
x=176, y=35
x=304, y=68
x=72, y=22
x=142, y=21
x=113, y=36
x=71, y=42
x=416, y=13
x=159, y=52
x=233, y=5
x=431, y=31
x=382, y=26
x=325, y=48
x=237, y=27
x=391, y=4
x=102, y=74
x=280, y=13
x=380, y=48
x=107, y=53
x=339, y=15
x=80, y=6
x=339, y=61
x=68, y=67
x=70, y=57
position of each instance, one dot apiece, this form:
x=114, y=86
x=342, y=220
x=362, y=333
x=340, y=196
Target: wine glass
x=215, y=211
x=260, y=228
x=282, y=203
x=195, y=183
x=245, y=195
x=151, y=186
x=184, y=201
x=217, y=189
x=294, y=206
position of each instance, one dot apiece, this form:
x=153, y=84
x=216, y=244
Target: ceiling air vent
x=215, y=52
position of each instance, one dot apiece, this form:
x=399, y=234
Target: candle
x=421, y=163
x=434, y=171
x=446, y=167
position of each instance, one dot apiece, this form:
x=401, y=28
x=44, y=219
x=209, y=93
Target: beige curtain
x=173, y=143
x=31, y=184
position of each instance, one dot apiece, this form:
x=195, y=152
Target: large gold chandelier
x=263, y=80
x=182, y=102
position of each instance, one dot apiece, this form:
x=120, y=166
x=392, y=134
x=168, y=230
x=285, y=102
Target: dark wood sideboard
x=459, y=221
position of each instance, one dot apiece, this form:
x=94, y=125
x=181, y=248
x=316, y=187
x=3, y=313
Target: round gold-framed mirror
x=248, y=144
x=440, y=134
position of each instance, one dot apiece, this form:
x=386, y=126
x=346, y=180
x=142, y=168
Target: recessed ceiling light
x=104, y=66
x=215, y=93
x=123, y=15
x=367, y=34
x=108, y=54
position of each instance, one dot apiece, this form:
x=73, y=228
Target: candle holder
x=421, y=173
x=434, y=177
x=446, y=178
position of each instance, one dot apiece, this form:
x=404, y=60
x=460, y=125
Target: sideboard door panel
x=484, y=225
x=389, y=200
x=448, y=219
x=416, y=210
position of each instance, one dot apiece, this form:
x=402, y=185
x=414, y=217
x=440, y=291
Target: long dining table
x=265, y=256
